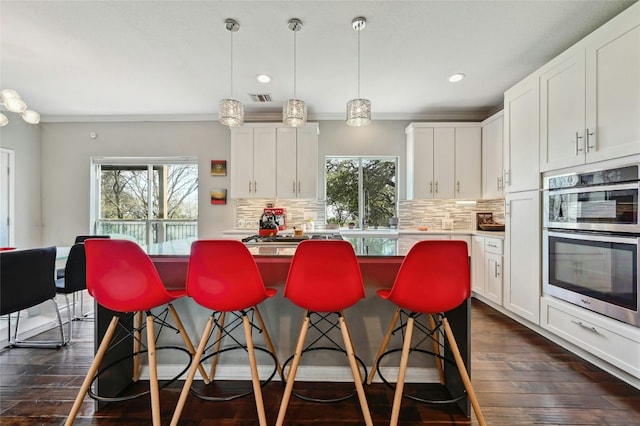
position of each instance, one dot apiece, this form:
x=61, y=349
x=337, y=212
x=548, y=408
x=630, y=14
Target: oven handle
x=618, y=187
x=605, y=237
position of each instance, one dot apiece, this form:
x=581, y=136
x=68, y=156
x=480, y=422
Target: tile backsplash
x=412, y=214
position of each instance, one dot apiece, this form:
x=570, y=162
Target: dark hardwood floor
x=520, y=378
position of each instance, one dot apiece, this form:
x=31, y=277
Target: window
x=361, y=191
x=149, y=203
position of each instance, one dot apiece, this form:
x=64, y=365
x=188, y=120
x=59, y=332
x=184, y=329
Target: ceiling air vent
x=261, y=97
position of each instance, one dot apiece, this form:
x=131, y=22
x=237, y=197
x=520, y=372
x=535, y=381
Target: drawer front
x=493, y=245
x=619, y=348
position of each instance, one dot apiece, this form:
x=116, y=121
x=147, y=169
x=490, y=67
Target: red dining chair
x=224, y=277
x=433, y=279
x=122, y=278
x=324, y=279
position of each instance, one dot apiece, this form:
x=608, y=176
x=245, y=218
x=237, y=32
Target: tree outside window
x=150, y=203
x=361, y=191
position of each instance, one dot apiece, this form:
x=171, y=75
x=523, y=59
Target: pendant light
x=294, y=111
x=231, y=111
x=358, y=110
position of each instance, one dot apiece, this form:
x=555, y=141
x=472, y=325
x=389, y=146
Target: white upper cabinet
x=443, y=160
x=468, y=162
x=297, y=162
x=492, y=129
x=521, y=136
x=590, y=97
x=269, y=160
x=253, y=162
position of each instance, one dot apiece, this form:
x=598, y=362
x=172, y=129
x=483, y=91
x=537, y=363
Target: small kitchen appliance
x=268, y=227
x=280, y=214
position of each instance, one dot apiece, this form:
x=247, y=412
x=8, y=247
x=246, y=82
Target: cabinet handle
x=495, y=269
x=255, y=187
x=458, y=187
x=499, y=185
x=589, y=140
x=298, y=187
x=249, y=186
x=436, y=187
x=507, y=178
x=507, y=209
x=586, y=327
x=431, y=187
x=578, y=137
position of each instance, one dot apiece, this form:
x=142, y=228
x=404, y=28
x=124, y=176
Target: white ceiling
x=84, y=60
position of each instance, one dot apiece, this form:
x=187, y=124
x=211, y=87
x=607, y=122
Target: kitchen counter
x=387, y=233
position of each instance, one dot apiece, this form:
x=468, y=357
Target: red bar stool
x=224, y=277
x=122, y=278
x=324, y=277
x=433, y=279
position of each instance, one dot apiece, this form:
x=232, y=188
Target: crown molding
x=265, y=117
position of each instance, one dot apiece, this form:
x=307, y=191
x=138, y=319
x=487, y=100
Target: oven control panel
x=600, y=177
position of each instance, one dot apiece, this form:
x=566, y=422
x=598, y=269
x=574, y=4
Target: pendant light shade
x=12, y=102
x=358, y=110
x=231, y=111
x=294, y=111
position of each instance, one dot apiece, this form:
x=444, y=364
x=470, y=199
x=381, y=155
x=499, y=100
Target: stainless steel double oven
x=591, y=238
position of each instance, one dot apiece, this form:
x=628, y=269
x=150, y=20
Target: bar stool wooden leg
x=292, y=371
x=137, y=345
x=436, y=349
x=187, y=340
x=267, y=339
x=153, y=373
x=216, y=347
x=404, y=360
x=463, y=372
x=192, y=372
x=255, y=379
x=357, y=378
x=383, y=346
x=104, y=345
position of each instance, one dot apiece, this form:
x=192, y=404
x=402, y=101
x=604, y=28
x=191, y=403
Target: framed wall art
x=218, y=167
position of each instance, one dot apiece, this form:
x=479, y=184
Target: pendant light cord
x=359, y=63
x=294, y=63
x=231, y=65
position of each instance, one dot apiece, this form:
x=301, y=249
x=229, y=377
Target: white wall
x=67, y=150
x=24, y=139
x=53, y=163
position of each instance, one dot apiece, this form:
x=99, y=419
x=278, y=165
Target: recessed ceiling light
x=454, y=78
x=263, y=78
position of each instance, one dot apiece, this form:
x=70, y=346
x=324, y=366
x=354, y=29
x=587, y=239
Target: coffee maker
x=281, y=216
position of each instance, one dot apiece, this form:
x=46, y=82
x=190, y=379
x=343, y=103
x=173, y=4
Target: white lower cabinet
x=486, y=267
x=522, y=285
x=613, y=341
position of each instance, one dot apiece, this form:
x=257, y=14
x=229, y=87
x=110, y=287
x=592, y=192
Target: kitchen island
x=368, y=321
